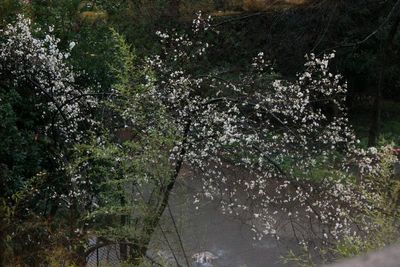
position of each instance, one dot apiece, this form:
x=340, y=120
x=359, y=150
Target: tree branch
x=373, y=33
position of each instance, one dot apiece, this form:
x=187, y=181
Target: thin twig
x=178, y=235
x=369, y=36
x=169, y=245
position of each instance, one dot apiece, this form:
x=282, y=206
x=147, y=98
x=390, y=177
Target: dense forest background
x=110, y=42
x=364, y=34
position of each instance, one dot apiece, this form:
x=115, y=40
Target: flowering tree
x=44, y=111
x=292, y=137
x=75, y=169
x=291, y=140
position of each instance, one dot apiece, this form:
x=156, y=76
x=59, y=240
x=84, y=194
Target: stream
x=204, y=236
x=211, y=239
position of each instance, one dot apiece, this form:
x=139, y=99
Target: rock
x=204, y=257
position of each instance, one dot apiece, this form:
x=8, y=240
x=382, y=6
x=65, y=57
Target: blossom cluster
x=39, y=62
x=292, y=138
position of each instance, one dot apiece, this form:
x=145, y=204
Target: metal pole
x=97, y=257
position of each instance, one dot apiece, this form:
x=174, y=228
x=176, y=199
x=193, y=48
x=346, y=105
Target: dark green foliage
x=33, y=180
x=8, y=9
x=28, y=171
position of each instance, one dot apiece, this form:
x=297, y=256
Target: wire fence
x=108, y=256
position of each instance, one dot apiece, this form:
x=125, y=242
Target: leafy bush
x=376, y=224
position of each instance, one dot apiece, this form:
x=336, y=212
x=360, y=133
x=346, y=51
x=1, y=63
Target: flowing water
x=204, y=237
x=226, y=240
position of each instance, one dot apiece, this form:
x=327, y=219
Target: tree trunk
x=374, y=130
x=138, y=250
x=173, y=8
x=2, y=248
x=123, y=247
